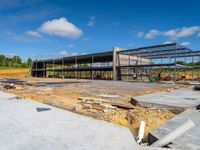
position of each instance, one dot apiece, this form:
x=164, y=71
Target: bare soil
x=19, y=73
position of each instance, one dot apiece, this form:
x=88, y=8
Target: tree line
x=14, y=62
x=189, y=63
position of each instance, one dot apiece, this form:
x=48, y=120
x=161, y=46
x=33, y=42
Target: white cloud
x=167, y=42
x=140, y=34
x=74, y=54
x=173, y=34
x=71, y=45
x=185, y=43
x=60, y=27
x=63, y=53
x=91, y=21
x=152, y=34
x=187, y=31
x=33, y=33
x=9, y=33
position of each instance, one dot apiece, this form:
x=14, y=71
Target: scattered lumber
x=100, y=103
x=122, y=105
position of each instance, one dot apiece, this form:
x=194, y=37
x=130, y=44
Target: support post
x=76, y=73
x=129, y=63
x=192, y=68
x=44, y=70
x=36, y=68
x=62, y=67
x=116, y=63
x=175, y=63
x=185, y=69
x=198, y=67
x=53, y=69
x=92, y=67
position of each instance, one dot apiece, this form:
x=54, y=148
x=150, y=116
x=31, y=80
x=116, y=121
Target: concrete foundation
x=23, y=127
x=29, y=125
x=188, y=141
x=176, y=100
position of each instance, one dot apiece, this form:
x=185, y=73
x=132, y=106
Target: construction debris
x=109, y=103
x=16, y=97
x=174, y=134
x=141, y=132
x=122, y=105
x=39, y=109
x=77, y=108
x=198, y=107
x=197, y=87
x=9, y=86
x=87, y=106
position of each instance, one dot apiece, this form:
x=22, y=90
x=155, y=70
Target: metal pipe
x=174, y=134
x=141, y=132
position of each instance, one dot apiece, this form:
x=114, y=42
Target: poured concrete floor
x=24, y=128
x=29, y=125
x=182, y=99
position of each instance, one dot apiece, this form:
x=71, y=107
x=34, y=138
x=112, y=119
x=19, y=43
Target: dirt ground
x=104, y=100
x=18, y=73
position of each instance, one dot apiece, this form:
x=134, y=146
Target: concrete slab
x=177, y=100
x=190, y=140
x=4, y=95
x=23, y=127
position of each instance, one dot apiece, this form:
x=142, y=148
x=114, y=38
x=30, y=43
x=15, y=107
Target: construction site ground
x=13, y=72
x=100, y=99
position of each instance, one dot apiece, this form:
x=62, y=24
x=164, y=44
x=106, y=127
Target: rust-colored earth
x=15, y=73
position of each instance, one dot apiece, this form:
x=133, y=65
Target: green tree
x=15, y=62
x=2, y=60
x=29, y=61
x=181, y=63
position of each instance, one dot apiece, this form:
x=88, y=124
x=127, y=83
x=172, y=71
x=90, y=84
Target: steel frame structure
x=88, y=66
x=124, y=64
x=165, y=56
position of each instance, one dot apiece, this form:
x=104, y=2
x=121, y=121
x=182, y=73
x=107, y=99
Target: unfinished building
x=153, y=63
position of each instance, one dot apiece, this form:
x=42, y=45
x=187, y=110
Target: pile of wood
x=102, y=104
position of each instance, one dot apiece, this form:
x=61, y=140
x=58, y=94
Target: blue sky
x=55, y=28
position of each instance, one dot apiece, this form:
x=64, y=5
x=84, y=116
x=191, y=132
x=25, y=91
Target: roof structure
x=172, y=50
